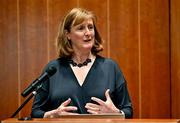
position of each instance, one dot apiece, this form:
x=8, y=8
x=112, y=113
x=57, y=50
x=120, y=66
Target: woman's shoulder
x=106, y=60
x=52, y=62
x=55, y=62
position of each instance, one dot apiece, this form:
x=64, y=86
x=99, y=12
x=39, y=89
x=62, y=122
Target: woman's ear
x=67, y=35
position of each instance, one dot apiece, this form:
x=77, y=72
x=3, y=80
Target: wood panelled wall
x=139, y=34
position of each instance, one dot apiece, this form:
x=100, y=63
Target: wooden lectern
x=91, y=119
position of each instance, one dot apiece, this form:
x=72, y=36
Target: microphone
x=48, y=73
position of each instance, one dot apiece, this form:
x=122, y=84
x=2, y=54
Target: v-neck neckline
x=87, y=76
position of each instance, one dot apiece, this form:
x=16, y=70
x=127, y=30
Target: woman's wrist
x=119, y=111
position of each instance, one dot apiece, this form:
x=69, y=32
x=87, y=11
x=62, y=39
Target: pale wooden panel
x=99, y=7
x=175, y=58
x=8, y=58
x=124, y=43
x=33, y=42
x=155, y=63
x=56, y=10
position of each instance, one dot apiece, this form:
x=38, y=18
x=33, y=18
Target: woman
x=84, y=82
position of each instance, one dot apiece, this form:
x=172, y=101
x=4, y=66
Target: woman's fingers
x=70, y=108
x=92, y=112
x=99, y=101
x=65, y=103
x=107, y=95
x=65, y=108
x=103, y=107
x=93, y=107
x=69, y=113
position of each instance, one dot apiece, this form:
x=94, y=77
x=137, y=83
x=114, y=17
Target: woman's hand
x=103, y=107
x=63, y=109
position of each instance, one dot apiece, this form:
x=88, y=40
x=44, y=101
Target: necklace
x=74, y=64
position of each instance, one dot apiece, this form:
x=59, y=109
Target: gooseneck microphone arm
x=34, y=87
x=26, y=101
x=49, y=72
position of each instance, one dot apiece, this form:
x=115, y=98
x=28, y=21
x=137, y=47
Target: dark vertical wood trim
x=170, y=58
x=175, y=58
x=48, y=35
x=108, y=30
x=18, y=42
x=139, y=58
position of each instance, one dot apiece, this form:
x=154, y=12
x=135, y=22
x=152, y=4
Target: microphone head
x=51, y=70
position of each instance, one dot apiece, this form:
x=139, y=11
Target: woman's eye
x=80, y=28
x=91, y=27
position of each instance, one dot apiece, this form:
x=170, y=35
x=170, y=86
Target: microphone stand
x=26, y=101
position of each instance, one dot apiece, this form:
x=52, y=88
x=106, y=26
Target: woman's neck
x=81, y=57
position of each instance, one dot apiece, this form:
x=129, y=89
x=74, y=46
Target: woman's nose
x=87, y=31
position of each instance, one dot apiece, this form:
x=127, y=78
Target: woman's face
x=82, y=36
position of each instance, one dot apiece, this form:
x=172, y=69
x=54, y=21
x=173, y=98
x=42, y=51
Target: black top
x=104, y=74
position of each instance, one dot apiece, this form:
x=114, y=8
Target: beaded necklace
x=85, y=63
